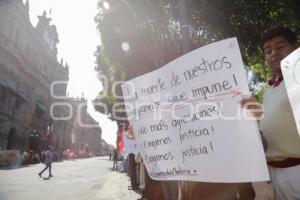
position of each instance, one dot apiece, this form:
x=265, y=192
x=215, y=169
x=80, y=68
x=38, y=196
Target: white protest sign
x=187, y=120
x=130, y=145
x=290, y=67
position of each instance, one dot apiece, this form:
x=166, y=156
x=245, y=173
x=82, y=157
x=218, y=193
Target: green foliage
x=151, y=31
x=260, y=93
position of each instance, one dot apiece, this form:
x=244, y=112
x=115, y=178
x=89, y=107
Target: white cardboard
x=218, y=143
x=290, y=67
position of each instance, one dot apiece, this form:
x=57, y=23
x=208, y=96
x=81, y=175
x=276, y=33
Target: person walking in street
x=48, y=161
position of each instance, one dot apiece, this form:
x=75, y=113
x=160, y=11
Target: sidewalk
x=116, y=188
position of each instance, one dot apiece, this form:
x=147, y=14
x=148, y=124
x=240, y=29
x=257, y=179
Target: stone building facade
x=32, y=113
x=86, y=133
x=28, y=67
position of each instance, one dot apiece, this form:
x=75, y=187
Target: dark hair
x=289, y=35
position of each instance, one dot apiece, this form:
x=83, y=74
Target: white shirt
x=278, y=125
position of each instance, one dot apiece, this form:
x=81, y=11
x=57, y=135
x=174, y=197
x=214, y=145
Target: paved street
x=85, y=179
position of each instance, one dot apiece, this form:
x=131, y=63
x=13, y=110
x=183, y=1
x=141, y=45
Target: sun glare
x=125, y=46
x=106, y=5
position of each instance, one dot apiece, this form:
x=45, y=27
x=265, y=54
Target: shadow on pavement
x=13, y=167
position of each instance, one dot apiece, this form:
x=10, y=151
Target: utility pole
x=184, y=27
x=170, y=188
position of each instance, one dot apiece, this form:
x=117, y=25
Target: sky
x=74, y=20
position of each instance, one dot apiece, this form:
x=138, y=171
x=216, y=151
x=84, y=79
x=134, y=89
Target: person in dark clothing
x=48, y=161
x=115, y=160
x=132, y=171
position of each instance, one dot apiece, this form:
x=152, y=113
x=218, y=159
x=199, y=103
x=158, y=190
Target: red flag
x=121, y=143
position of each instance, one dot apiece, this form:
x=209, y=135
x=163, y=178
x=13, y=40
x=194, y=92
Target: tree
x=151, y=28
x=219, y=19
x=152, y=34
